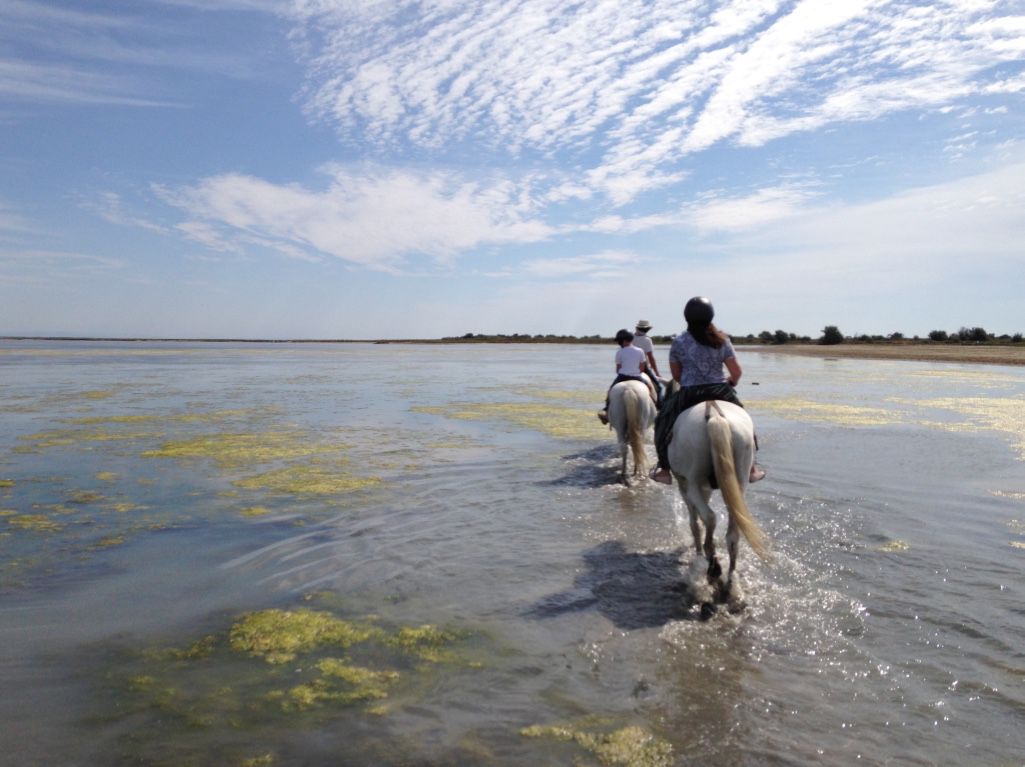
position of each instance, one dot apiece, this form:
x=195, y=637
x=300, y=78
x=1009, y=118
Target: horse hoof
x=707, y=610
x=714, y=568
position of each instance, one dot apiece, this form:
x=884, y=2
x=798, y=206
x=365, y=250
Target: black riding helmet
x=698, y=311
x=624, y=335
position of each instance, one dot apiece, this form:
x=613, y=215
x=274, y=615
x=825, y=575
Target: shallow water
x=154, y=495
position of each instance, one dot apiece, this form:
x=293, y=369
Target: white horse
x=713, y=445
x=631, y=414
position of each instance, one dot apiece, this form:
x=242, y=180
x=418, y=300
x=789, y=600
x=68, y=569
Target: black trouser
x=658, y=386
x=678, y=401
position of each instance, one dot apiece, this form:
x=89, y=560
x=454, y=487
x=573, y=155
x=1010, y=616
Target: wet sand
x=989, y=355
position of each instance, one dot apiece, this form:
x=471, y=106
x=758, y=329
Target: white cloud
x=375, y=219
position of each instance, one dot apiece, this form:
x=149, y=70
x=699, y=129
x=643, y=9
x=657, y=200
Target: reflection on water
x=443, y=568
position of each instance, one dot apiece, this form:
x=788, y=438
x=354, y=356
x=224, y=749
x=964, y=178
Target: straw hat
x=643, y=325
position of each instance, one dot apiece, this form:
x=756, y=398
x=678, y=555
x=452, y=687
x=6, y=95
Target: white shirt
x=644, y=343
x=630, y=359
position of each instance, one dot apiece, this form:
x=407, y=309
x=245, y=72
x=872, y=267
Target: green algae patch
x=110, y=542
x=235, y=450
x=255, y=511
x=37, y=523
x=630, y=746
x=123, y=507
x=558, y=422
x=426, y=642
x=201, y=417
x=340, y=683
x=263, y=760
x=261, y=678
x=6, y=483
x=95, y=394
x=33, y=443
x=307, y=479
x=279, y=635
x=107, y=476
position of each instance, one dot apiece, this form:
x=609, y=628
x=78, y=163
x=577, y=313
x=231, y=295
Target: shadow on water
x=632, y=589
x=590, y=468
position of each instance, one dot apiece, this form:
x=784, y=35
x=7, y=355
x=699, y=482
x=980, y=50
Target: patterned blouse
x=701, y=364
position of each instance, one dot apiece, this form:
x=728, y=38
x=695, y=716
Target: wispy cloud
x=605, y=265
x=641, y=85
x=63, y=54
x=753, y=211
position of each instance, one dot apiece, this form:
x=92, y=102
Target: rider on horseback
x=630, y=366
x=696, y=361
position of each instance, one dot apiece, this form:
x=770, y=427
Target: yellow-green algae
x=94, y=394
x=107, y=476
x=6, y=483
x=559, y=422
x=307, y=479
x=35, y=522
x=832, y=413
x=122, y=507
x=84, y=497
x=202, y=417
x=254, y=511
x=71, y=437
x=279, y=635
x=1002, y=414
x=263, y=760
x=339, y=683
x=234, y=450
x=109, y=542
x=223, y=684
x=891, y=547
x=631, y=746
x=426, y=642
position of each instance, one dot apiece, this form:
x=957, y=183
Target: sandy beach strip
x=981, y=354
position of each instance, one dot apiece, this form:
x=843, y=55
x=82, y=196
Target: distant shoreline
x=982, y=354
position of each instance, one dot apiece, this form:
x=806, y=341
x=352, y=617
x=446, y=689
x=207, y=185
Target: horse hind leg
x=732, y=593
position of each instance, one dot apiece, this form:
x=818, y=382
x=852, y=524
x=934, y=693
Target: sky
x=367, y=169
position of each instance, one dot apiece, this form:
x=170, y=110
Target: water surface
x=486, y=591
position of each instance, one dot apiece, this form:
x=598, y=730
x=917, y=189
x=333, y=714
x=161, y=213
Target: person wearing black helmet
x=630, y=366
x=696, y=360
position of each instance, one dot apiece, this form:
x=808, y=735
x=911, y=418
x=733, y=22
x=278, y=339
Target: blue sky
x=401, y=168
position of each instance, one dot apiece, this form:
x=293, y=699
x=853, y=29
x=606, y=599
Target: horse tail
x=721, y=439
x=634, y=433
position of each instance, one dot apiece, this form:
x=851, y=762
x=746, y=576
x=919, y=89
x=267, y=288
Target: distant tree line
x=831, y=334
